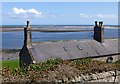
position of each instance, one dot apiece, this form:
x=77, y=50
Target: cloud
x=20, y=13
x=53, y=15
x=106, y=16
x=25, y=13
x=101, y=16
x=84, y=15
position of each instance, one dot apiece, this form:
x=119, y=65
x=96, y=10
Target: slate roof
x=73, y=49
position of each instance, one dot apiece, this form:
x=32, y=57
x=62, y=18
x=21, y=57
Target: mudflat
x=9, y=54
x=11, y=29
x=46, y=29
x=56, y=29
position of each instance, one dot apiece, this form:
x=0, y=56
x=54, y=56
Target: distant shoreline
x=56, y=29
x=45, y=29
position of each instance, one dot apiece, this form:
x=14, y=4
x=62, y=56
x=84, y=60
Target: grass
x=50, y=64
x=117, y=64
x=12, y=64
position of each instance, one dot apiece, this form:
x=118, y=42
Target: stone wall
x=110, y=76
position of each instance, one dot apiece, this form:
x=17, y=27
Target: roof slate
x=73, y=49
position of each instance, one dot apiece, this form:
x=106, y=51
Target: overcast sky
x=59, y=13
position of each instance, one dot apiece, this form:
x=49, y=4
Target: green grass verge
x=10, y=64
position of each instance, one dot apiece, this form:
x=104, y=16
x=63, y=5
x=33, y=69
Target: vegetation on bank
x=50, y=63
x=57, y=68
x=84, y=65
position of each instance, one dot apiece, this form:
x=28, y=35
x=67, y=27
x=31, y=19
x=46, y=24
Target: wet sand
x=57, y=29
x=46, y=29
x=10, y=29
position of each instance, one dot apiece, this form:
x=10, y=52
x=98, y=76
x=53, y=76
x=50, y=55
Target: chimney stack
x=99, y=32
x=27, y=35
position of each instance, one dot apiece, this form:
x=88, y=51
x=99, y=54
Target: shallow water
x=15, y=39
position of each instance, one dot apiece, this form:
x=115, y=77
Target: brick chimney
x=27, y=35
x=99, y=32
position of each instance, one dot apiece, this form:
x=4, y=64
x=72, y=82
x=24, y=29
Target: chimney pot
x=96, y=23
x=28, y=24
x=101, y=24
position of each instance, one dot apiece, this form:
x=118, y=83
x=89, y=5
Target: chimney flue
x=99, y=32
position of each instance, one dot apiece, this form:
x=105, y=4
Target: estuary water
x=15, y=39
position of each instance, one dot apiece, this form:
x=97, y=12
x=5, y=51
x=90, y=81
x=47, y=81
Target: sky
x=59, y=13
